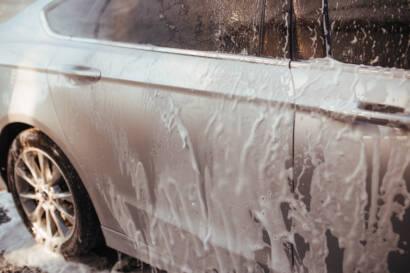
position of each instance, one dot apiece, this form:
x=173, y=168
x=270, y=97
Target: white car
x=212, y=136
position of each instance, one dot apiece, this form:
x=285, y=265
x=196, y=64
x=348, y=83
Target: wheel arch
x=15, y=124
x=7, y=135
x=11, y=129
x=85, y=226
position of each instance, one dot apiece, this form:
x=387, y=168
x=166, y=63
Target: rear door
x=183, y=131
x=352, y=141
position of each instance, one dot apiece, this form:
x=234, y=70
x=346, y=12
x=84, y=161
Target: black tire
x=82, y=232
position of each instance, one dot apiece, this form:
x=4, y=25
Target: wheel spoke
x=54, y=175
x=29, y=196
x=66, y=196
x=42, y=162
x=48, y=223
x=61, y=227
x=35, y=216
x=31, y=165
x=64, y=213
x=23, y=175
x=49, y=176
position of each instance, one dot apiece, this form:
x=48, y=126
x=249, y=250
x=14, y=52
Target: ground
x=19, y=253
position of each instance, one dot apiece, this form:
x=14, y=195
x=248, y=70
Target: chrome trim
x=329, y=64
x=185, y=52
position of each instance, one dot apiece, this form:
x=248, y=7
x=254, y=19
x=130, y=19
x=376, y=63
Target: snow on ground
x=19, y=252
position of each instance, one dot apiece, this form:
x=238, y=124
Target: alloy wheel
x=45, y=197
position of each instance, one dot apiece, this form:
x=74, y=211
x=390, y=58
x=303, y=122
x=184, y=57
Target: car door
x=352, y=146
x=186, y=153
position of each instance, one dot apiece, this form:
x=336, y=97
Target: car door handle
x=80, y=74
x=381, y=108
x=383, y=114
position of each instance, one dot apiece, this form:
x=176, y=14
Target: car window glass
x=308, y=36
x=230, y=26
x=10, y=8
x=276, y=31
x=370, y=32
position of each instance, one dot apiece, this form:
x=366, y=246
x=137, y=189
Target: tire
x=50, y=196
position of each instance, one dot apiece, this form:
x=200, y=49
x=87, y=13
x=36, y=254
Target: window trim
x=330, y=64
x=152, y=48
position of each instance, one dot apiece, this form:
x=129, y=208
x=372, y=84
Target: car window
x=370, y=32
x=10, y=8
x=230, y=26
x=308, y=37
x=275, y=29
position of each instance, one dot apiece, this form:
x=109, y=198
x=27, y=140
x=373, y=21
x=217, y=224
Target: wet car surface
x=233, y=136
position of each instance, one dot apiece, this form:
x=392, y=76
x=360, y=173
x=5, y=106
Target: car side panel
x=191, y=156
x=24, y=58
x=24, y=93
x=352, y=169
